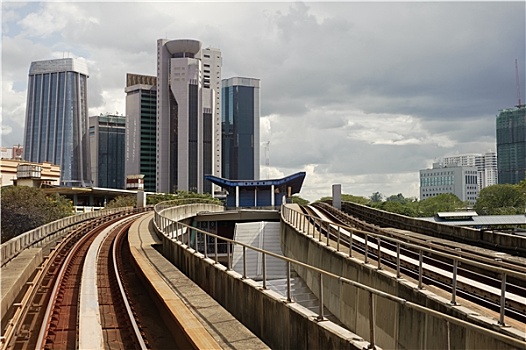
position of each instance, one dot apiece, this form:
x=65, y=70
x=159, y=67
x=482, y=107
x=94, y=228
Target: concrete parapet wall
x=46, y=233
x=279, y=324
x=512, y=244
x=396, y=326
x=268, y=315
x=14, y=279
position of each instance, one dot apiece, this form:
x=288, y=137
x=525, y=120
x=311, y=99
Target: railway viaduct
x=374, y=306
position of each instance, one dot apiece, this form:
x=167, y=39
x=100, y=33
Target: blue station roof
x=294, y=181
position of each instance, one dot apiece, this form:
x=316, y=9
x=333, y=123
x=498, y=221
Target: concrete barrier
x=46, y=233
x=512, y=244
x=396, y=326
x=280, y=324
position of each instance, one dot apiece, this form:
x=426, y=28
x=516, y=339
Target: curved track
x=55, y=310
x=474, y=282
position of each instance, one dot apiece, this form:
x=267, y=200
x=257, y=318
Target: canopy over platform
x=259, y=193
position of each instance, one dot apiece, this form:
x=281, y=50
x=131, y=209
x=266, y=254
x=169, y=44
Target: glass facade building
x=141, y=139
x=511, y=145
x=240, y=129
x=57, y=118
x=107, y=143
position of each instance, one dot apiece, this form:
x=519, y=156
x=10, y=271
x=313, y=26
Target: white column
x=255, y=196
x=272, y=195
x=237, y=196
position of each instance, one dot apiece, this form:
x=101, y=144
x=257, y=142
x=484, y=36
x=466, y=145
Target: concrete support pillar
x=237, y=196
x=255, y=196
x=272, y=195
x=337, y=196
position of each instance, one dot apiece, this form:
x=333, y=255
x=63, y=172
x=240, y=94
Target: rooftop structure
x=259, y=193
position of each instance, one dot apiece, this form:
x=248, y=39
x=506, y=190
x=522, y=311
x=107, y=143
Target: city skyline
x=360, y=94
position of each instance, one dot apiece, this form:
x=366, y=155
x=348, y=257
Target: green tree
x=355, y=199
x=377, y=197
x=441, y=203
x=25, y=208
x=122, y=201
x=298, y=200
x=397, y=198
x=502, y=199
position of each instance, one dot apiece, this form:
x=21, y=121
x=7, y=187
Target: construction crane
x=518, y=85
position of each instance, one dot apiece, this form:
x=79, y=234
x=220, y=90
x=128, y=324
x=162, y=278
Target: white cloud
x=359, y=93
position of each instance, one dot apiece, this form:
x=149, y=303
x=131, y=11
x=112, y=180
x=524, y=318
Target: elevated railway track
x=493, y=280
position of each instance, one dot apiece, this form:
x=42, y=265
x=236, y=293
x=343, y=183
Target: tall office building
x=511, y=145
x=486, y=165
x=141, y=116
x=188, y=115
x=57, y=118
x=240, y=124
x=107, y=144
x=459, y=180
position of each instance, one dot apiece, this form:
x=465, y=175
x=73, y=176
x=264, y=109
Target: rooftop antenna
x=518, y=84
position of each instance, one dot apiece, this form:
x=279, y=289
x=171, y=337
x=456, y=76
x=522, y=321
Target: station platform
x=187, y=304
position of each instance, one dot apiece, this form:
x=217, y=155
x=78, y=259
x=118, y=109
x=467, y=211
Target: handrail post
x=338, y=239
x=320, y=312
x=454, y=283
x=264, y=271
x=379, y=246
x=289, y=294
x=328, y=234
x=350, y=244
x=372, y=322
x=502, y=299
x=321, y=229
x=398, y=259
x=205, y=244
x=244, y=262
x=215, y=249
x=366, y=260
x=420, y=269
x=229, y=263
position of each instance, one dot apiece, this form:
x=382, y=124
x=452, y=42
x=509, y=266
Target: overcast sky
x=362, y=94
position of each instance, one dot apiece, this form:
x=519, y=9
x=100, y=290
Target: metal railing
x=311, y=225
x=179, y=232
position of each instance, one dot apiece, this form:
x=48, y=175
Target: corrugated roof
x=483, y=220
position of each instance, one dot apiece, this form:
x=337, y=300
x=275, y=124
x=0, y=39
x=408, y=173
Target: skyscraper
x=57, y=118
x=107, y=143
x=511, y=145
x=141, y=114
x=240, y=124
x=188, y=115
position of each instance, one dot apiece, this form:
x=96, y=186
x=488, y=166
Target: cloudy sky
x=362, y=94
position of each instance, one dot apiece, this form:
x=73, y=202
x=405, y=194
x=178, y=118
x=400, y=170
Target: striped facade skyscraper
x=57, y=118
x=188, y=115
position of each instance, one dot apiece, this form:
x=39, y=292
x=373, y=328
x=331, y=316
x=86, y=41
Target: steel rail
x=115, y=252
x=59, y=281
x=515, y=309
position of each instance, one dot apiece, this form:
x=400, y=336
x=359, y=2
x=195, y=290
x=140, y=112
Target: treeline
x=502, y=199
x=25, y=208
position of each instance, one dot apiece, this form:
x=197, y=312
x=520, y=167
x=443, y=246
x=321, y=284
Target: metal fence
x=182, y=233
